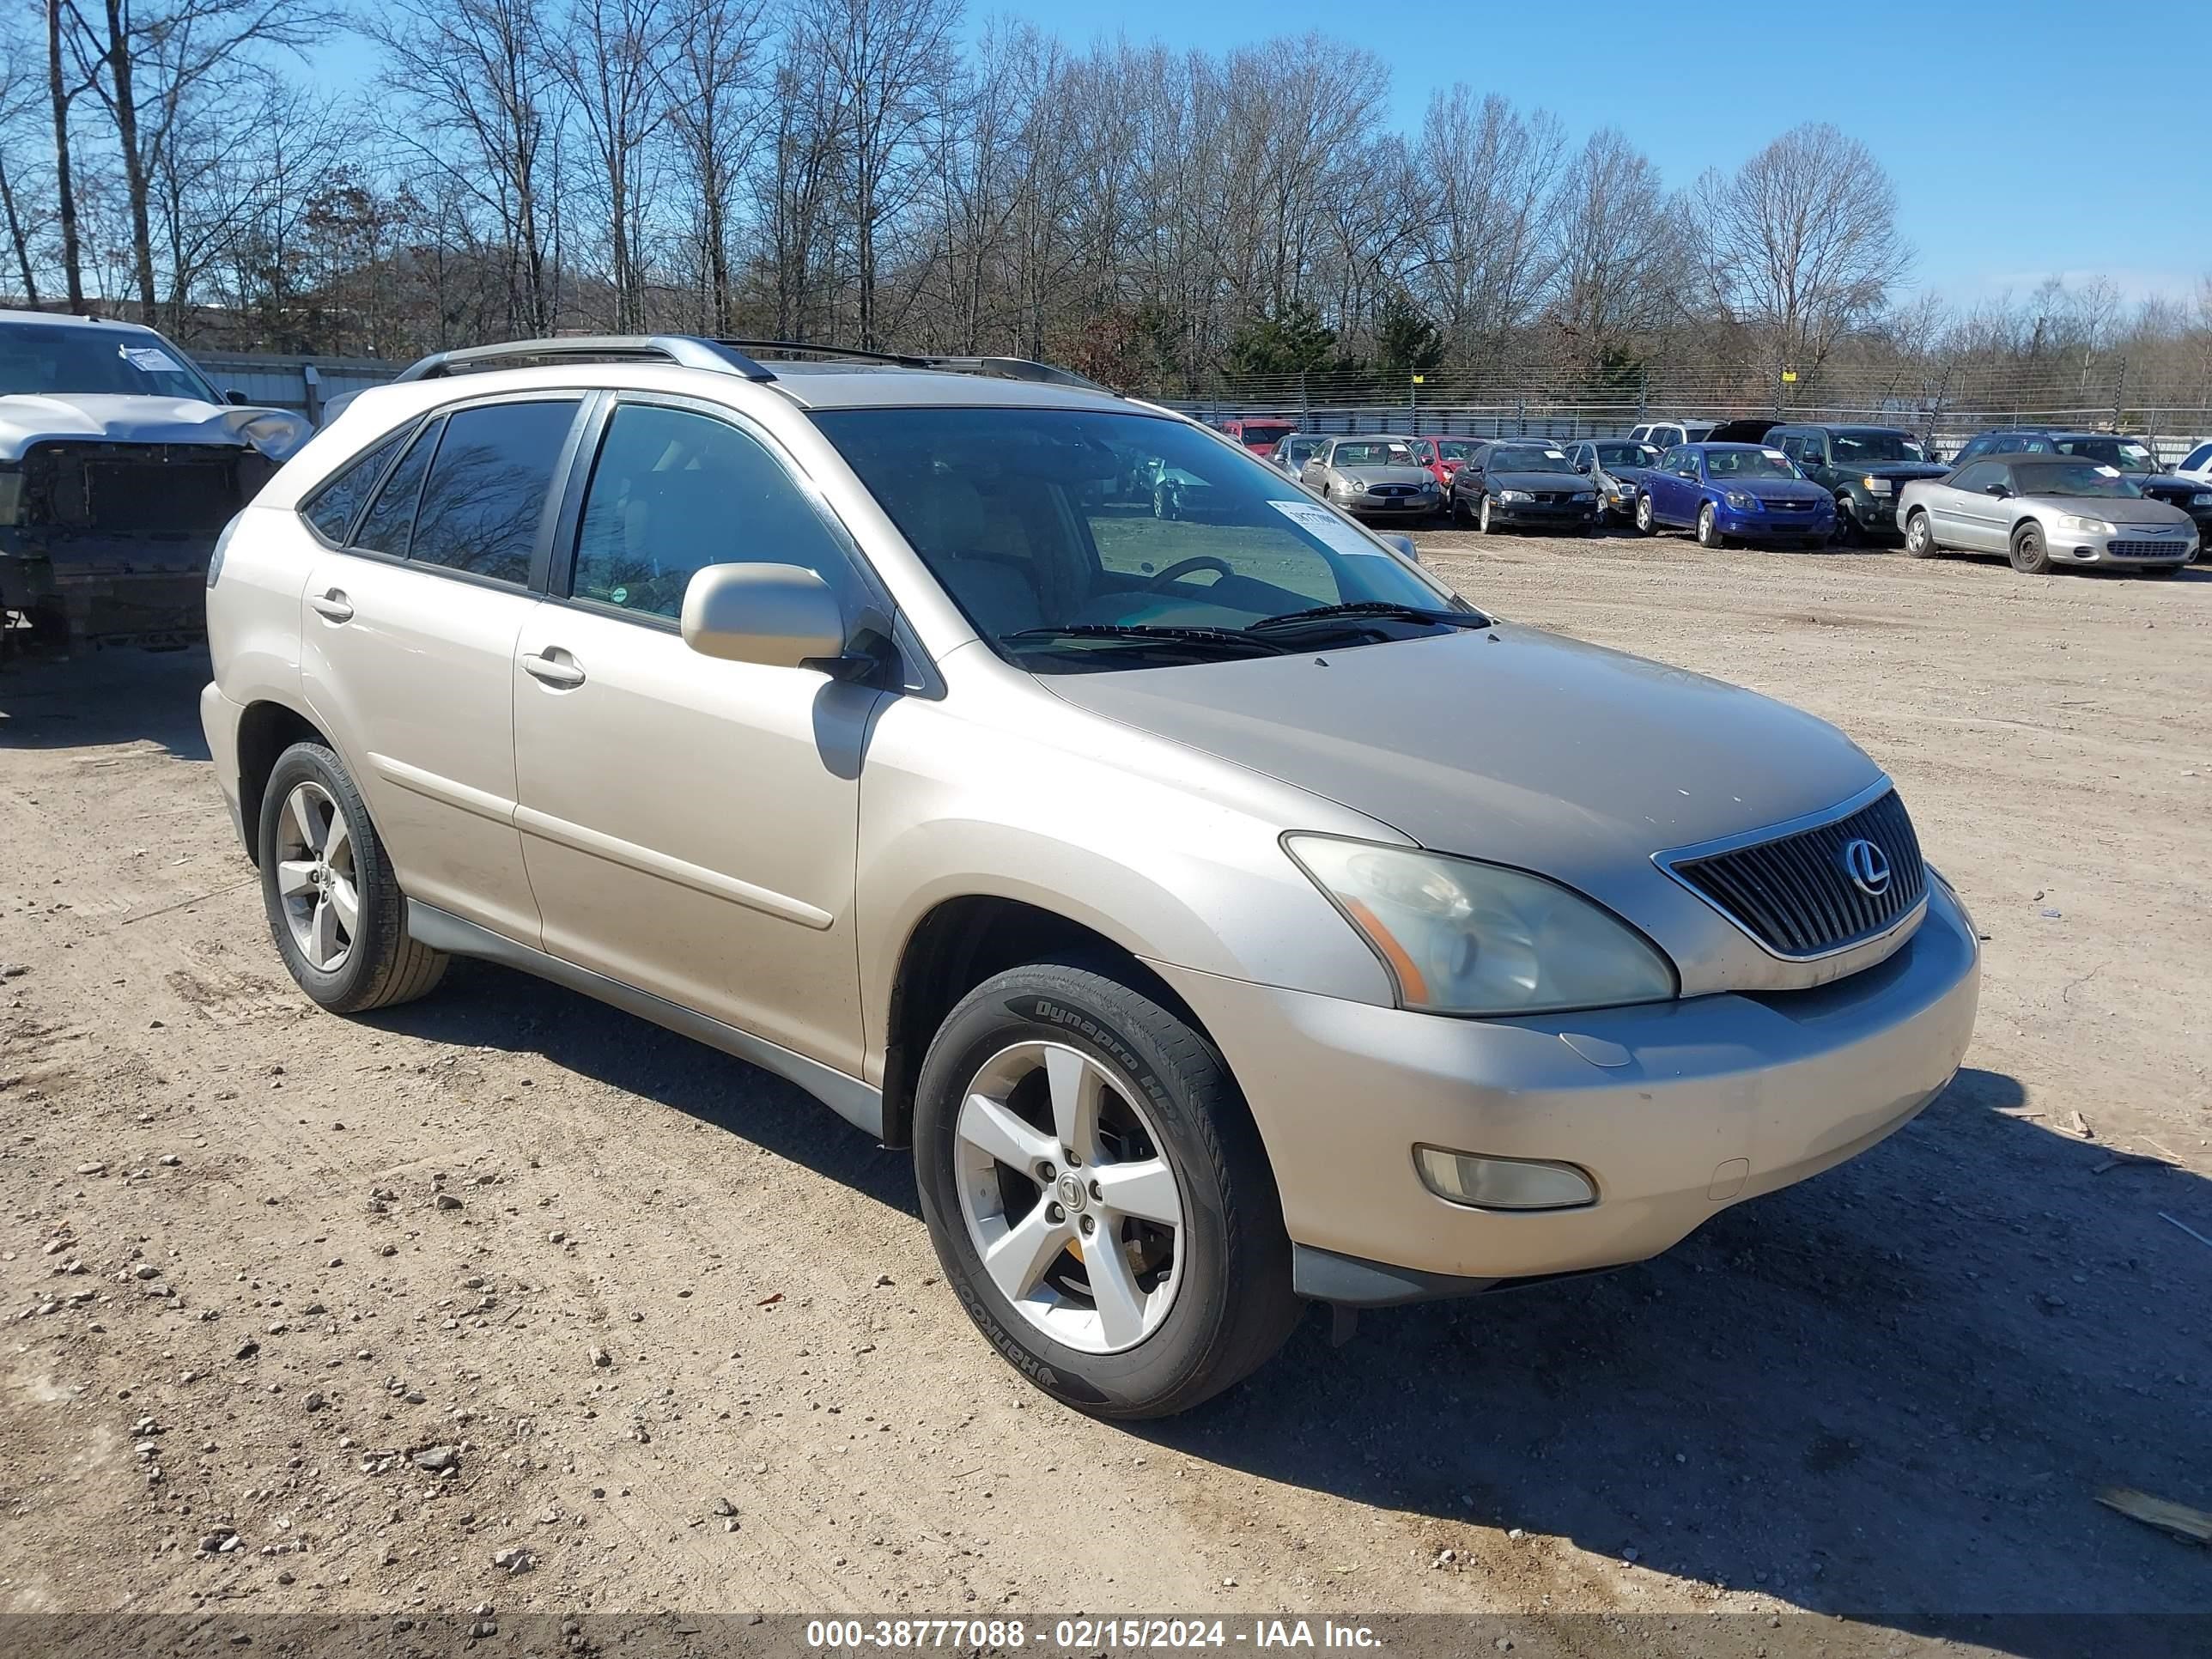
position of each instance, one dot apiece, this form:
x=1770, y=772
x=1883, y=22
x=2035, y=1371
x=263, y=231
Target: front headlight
x=1463, y=938
x=1515, y=495
x=1874, y=486
x=2201, y=500
x=2081, y=526
x=1741, y=500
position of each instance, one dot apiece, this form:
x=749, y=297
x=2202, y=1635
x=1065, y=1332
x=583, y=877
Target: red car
x=1442, y=456
x=1259, y=435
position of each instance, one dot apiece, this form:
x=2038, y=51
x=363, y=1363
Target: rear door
x=408, y=645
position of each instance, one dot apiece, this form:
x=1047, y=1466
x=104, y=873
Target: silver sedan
x=2042, y=511
x=1375, y=478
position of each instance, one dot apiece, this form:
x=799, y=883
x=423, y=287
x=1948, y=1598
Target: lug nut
x=1096, y=1196
x=1090, y=1225
x=1046, y=1173
x=1053, y=1212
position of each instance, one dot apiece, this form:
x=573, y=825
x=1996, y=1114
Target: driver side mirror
x=779, y=616
x=1997, y=489
x=231, y=394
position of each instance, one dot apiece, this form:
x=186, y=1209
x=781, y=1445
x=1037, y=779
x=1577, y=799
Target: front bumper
x=1571, y=515
x=105, y=587
x=1808, y=528
x=1396, y=507
x=1675, y=1109
x=2123, y=552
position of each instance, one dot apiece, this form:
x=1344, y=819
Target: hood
x=1367, y=476
x=1775, y=490
x=2122, y=510
x=2167, y=487
x=1902, y=471
x=1509, y=744
x=1551, y=483
x=31, y=418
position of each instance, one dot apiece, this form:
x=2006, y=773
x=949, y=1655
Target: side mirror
x=231, y=394
x=1997, y=490
x=779, y=616
x=1405, y=544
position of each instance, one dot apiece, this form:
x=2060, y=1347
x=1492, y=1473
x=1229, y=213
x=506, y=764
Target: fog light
x=1503, y=1183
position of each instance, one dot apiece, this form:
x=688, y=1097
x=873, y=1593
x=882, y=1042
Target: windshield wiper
x=1225, y=639
x=1382, y=610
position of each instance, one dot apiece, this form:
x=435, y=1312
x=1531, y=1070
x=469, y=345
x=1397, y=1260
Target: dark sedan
x=1525, y=485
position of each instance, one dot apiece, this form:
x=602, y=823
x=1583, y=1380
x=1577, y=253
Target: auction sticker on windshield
x=151, y=359
x=1318, y=521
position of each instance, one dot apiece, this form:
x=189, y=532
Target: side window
x=1978, y=477
x=674, y=491
x=391, y=522
x=2199, y=457
x=333, y=508
x=1974, y=450
x=1672, y=460
x=486, y=491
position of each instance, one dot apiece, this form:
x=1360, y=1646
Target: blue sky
x=2027, y=137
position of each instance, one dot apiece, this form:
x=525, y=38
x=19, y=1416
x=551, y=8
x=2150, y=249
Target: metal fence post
x=1521, y=416
x=313, y=383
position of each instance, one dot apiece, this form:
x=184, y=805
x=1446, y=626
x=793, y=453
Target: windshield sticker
x=2108, y=472
x=1554, y=454
x=150, y=360
x=2133, y=449
x=1326, y=527
x=1774, y=454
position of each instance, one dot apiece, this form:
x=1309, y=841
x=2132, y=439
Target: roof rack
x=684, y=350
x=727, y=356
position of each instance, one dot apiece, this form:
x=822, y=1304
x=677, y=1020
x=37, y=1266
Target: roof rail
x=684, y=350
x=1004, y=368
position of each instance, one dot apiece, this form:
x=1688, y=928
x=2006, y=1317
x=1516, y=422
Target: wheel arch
x=265, y=731
x=960, y=942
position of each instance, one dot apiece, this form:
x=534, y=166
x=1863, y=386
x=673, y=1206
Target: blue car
x=1734, y=492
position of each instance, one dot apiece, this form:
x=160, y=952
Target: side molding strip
x=850, y=1098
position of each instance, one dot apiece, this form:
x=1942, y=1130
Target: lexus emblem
x=1868, y=866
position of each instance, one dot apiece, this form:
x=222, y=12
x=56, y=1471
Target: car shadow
x=98, y=698
x=486, y=1005
x=1889, y=1394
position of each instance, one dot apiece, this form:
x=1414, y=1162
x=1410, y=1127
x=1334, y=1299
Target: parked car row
x=2019, y=492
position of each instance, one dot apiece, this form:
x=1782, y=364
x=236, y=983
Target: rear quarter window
x=333, y=508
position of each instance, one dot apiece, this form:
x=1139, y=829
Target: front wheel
x=1097, y=1194
x=2029, y=555
x=1847, y=527
x=1709, y=529
x=1920, y=535
x=1645, y=523
x=1483, y=522
x=335, y=908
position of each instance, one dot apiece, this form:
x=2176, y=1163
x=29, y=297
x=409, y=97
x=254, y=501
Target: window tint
x=390, y=521
x=486, y=491
x=335, y=504
x=674, y=491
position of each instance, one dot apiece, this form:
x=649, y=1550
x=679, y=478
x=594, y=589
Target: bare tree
x=717, y=113
x=1620, y=247
x=614, y=56
x=1482, y=243
x=886, y=61
x=61, y=93
x=21, y=98
x=1802, y=242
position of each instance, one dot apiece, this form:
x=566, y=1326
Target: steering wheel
x=1176, y=573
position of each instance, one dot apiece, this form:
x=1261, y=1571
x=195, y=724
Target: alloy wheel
x=1644, y=520
x=1069, y=1201
x=316, y=879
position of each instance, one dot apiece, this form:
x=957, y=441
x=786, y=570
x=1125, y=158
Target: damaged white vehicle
x=119, y=467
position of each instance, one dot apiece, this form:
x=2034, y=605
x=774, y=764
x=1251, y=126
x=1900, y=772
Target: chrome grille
x=1794, y=893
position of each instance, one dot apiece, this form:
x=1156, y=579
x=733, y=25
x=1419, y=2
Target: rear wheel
x=1097, y=1194
x=335, y=909
x=1645, y=524
x=1920, y=535
x=2029, y=555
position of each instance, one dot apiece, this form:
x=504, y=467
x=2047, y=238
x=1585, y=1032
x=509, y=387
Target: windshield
x=1382, y=453
x=2071, y=478
x=1626, y=455
x=1530, y=458
x=1259, y=435
x=1036, y=518
x=1874, y=449
x=2124, y=453
x=1454, y=449
x=36, y=357
x=1750, y=463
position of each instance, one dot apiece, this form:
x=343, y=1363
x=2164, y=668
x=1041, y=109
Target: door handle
x=562, y=671
x=333, y=606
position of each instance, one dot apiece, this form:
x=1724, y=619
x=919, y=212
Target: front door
x=407, y=644
x=1979, y=520
x=689, y=823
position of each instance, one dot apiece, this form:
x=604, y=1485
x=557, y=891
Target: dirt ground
x=676, y=1330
